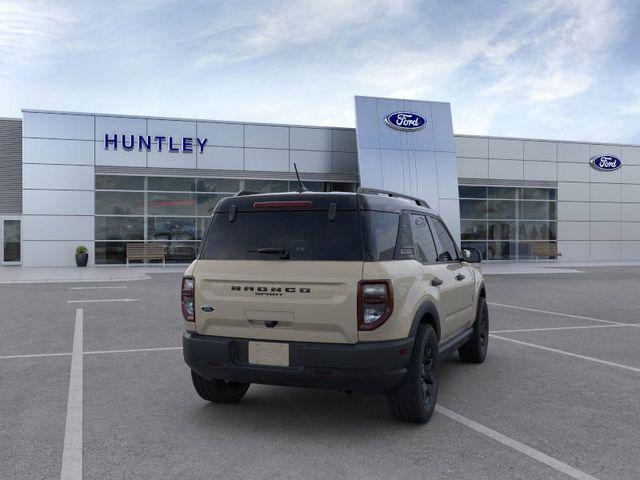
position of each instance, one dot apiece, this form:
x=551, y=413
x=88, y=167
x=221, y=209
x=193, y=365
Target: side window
x=383, y=233
x=448, y=250
x=424, y=245
x=405, y=247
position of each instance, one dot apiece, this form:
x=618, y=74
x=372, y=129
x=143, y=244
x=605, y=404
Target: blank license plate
x=269, y=353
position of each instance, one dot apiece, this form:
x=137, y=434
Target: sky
x=558, y=69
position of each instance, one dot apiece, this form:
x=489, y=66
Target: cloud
x=29, y=30
x=537, y=69
x=283, y=25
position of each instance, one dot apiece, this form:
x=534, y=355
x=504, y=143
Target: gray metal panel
x=494, y=182
x=222, y=134
x=310, y=161
x=344, y=140
x=180, y=172
x=69, y=126
x=10, y=167
x=421, y=162
x=259, y=136
x=311, y=139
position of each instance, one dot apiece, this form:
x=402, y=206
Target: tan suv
x=349, y=291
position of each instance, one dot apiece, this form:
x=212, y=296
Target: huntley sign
x=158, y=142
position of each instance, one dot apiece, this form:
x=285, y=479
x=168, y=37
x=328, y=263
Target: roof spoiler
x=376, y=191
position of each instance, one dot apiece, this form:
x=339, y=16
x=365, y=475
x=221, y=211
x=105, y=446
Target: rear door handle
x=436, y=282
x=460, y=277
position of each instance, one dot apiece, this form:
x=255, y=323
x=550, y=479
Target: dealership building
x=106, y=181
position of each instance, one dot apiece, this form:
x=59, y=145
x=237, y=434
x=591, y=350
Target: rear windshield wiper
x=283, y=252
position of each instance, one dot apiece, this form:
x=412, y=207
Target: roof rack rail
x=377, y=191
x=242, y=193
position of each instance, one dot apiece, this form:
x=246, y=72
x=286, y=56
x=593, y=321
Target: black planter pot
x=82, y=259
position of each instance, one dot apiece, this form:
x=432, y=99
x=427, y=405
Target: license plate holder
x=274, y=354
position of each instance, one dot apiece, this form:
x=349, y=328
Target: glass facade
x=503, y=222
x=10, y=241
x=172, y=211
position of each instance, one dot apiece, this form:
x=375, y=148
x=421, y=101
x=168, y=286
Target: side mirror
x=471, y=255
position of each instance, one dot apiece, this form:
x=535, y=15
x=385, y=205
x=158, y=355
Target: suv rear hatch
x=281, y=267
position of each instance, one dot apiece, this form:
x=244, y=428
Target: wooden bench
x=145, y=251
x=544, y=250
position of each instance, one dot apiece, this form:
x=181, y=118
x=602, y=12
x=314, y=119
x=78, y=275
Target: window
x=262, y=186
x=171, y=184
x=305, y=235
x=119, y=182
x=119, y=228
x=207, y=204
x=171, y=203
x=172, y=210
x=171, y=228
x=423, y=240
x=11, y=241
x=212, y=185
x=382, y=234
x=119, y=203
x=502, y=222
x=447, y=251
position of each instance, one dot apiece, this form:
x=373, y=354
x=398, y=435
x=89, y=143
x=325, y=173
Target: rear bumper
x=373, y=367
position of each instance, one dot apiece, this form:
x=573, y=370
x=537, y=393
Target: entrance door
x=10, y=233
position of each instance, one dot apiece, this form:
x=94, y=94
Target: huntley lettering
x=158, y=142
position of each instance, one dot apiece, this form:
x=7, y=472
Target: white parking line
x=35, y=355
x=555, y=313
x=569, y=354
x=105, y=300
x=134, y=350
x=91, y=352
x=72, y=450
x=115, y=287
x=581, y=327
x=515, y=445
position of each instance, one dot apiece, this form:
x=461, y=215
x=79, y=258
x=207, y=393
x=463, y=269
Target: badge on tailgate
x=269, y=353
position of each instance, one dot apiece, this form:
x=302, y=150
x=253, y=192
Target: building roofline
x=402, y=99
x=180, y=119
x=552, y=140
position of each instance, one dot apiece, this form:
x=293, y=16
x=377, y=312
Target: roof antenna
x=301, y=187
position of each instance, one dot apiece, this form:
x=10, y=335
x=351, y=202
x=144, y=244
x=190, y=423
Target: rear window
x=304, y=235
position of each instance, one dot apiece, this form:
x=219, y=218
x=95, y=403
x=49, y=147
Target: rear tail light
x=187, y=299
x=375, y=303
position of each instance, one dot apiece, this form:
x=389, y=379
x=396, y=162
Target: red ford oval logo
x=405, y=121
x=605, y=163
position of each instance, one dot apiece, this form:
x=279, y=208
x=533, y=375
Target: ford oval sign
x=605, y=163
x=405, y=121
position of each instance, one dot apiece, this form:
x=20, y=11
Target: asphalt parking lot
x=99, y=388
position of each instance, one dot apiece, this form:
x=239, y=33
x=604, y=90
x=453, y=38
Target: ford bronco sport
x=349, y=291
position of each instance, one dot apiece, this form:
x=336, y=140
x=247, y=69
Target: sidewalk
x=108, y=273
x=526, y=268
x=16, y=274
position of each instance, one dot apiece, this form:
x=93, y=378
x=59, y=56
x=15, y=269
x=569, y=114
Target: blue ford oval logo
x=605, y=163
x=405, y=121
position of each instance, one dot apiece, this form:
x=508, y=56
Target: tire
x=219, y=391
x=415, y=398
x=474, y=350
